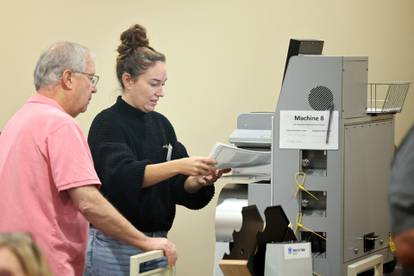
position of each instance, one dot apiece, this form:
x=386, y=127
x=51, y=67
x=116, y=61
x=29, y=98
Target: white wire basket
x=386, y=97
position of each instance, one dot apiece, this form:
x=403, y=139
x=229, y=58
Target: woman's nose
x=160, y=92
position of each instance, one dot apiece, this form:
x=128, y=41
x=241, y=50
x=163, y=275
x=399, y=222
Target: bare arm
x=404, y=247
x=192, y=166
x=99, y=212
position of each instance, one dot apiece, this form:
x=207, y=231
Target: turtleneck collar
x=127, y=109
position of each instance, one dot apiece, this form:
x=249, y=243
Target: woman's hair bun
x=133, y=38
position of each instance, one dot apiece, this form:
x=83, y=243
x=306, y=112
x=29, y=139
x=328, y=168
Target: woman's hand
x=191, y=166
x=196, y=166
x=194, y=183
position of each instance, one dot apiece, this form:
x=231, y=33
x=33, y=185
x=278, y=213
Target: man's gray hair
x=59, y=57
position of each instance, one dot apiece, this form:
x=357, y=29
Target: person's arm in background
x=401, y=199
x=102, y=215
x=404, y=247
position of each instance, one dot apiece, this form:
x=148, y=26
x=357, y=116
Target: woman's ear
x=127, y=80
x=67, y=79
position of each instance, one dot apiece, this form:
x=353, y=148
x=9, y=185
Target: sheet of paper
x=228, y=156
x=307, y=130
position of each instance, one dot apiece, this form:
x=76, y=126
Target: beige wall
x=224, y=58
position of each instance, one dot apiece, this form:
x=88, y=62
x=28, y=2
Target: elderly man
x=48, y=183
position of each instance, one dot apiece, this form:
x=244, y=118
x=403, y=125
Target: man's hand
x=165, y=245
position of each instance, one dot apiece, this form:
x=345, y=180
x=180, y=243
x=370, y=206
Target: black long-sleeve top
x=123, y=140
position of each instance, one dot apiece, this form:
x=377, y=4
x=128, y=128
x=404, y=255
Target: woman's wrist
x=175, y=166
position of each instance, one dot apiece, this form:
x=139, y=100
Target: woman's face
x=144, y=92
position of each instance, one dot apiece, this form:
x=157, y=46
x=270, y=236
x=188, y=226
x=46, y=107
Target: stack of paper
x=228, y=156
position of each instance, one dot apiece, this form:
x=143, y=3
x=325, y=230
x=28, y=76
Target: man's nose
x=94, y=89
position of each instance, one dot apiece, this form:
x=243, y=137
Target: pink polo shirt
x=43, y=153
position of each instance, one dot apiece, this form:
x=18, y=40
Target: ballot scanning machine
x=332, y=142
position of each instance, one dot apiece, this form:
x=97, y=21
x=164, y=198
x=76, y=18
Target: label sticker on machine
x=297, y=250
x=308, y=129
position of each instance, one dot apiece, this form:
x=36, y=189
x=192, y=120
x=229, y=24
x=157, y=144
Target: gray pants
x=108, y=257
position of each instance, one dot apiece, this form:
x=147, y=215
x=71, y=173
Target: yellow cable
x=391, y=244
x=300, y=225
x=300, y=178
x=313, y=232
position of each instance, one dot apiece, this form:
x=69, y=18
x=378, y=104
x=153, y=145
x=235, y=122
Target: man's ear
x=127, y=80
x=67, y=79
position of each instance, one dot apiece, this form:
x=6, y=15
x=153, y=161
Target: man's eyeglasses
x=92, y=77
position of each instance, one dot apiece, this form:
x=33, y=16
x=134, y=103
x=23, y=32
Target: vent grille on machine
x=320, y=98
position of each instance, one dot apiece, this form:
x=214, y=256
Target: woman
x=144, y=170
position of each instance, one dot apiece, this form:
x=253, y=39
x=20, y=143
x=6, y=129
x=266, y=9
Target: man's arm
x=102, y=215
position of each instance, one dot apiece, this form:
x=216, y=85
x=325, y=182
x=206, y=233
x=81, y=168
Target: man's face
x=83, y=88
